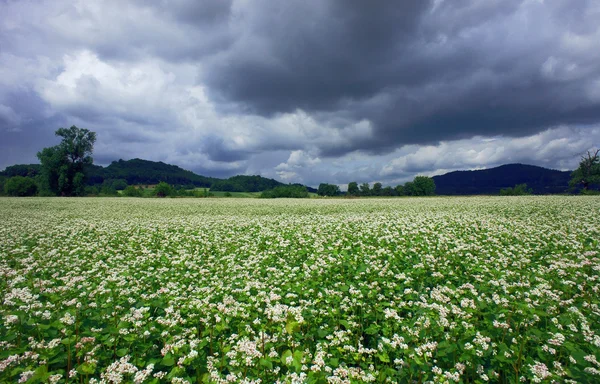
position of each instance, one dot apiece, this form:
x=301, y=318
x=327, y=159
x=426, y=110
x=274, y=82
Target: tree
x=119, y=184
x=365, y=189
x=409, y=189
x=377, y=187
x=588, y=172
x=388, y=191
x=353, y=188
x=400, y=190
x=63, y=165
x=518, y=190
x=289, y=191
x=131, y=191
x=423, y=186
x=163, y=190
x=20, y=186
x=25, y=170
x=328, y=190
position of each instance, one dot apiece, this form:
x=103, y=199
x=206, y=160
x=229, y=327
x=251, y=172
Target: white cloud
x=558, y=147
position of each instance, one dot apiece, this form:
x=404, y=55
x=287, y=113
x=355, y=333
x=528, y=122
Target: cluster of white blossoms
x=300, y=291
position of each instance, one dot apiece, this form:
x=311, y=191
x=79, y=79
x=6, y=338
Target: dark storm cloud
x=203, y=13
x=421, y=71
x=29, y=131
x=304, y=90
x=312, y=55
x=217, y=149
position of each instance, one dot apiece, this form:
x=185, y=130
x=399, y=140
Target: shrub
x=131, y=191
x=518, y=190
x=20, y=186
x=163, y=190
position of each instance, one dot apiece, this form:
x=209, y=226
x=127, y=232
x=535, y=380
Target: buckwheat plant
x=431, y=290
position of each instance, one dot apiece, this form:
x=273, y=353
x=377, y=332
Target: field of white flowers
x=464, y=290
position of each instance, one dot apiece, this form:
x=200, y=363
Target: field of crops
x=300, y=291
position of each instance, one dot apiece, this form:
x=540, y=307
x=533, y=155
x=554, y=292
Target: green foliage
x=353, y=188
x=517, y=190
x=423, y=186
x=377, y=189
x=131, y=191
x=289, y=191
x=590, y=192
x=440, y=290
x=365, y=190
x=163, y=190
x=144, y=172
x=119, y=184
x=62, y=166
x=243, y=183
x=107, y=190
x=20, y=186
x=420, y=186
x=388, y=191
x=409, y=189
x=328, y=190
x=25, y=170
x=400, y=190
x=588, y=172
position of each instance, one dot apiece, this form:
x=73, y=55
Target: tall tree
x=365, y=189
x=588, y=172
x=409, y=189
x=63, y=165
x=377, y=187
x=388, y=191
x=353, y=188
x=328, y=190
x=423, y=186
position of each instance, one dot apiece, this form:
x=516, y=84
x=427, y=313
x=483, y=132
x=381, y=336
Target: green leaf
x=168, y=360
x=292, y=326
x=265, y=363
x=383, y=357
x=372, y=329
x=285, y=355
x=86, y=368
x=122, y=352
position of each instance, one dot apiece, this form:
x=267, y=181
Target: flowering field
x=316, y=291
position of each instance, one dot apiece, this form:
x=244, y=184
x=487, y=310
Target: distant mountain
x=490, y=181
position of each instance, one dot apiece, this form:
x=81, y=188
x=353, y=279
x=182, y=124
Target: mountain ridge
x=489, y=181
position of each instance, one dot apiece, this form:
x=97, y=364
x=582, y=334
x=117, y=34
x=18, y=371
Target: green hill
x=138, y=171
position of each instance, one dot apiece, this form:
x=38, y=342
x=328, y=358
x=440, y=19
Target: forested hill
x=138, y=171
x=490, y=181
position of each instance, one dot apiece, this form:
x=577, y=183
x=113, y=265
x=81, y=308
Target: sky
x=305, y=91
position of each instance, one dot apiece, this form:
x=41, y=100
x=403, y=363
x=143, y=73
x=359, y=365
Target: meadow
x=449, y=290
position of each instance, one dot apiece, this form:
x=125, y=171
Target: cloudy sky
x=305, y=91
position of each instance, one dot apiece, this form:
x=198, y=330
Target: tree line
x=67, y=169
x=420, y=186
